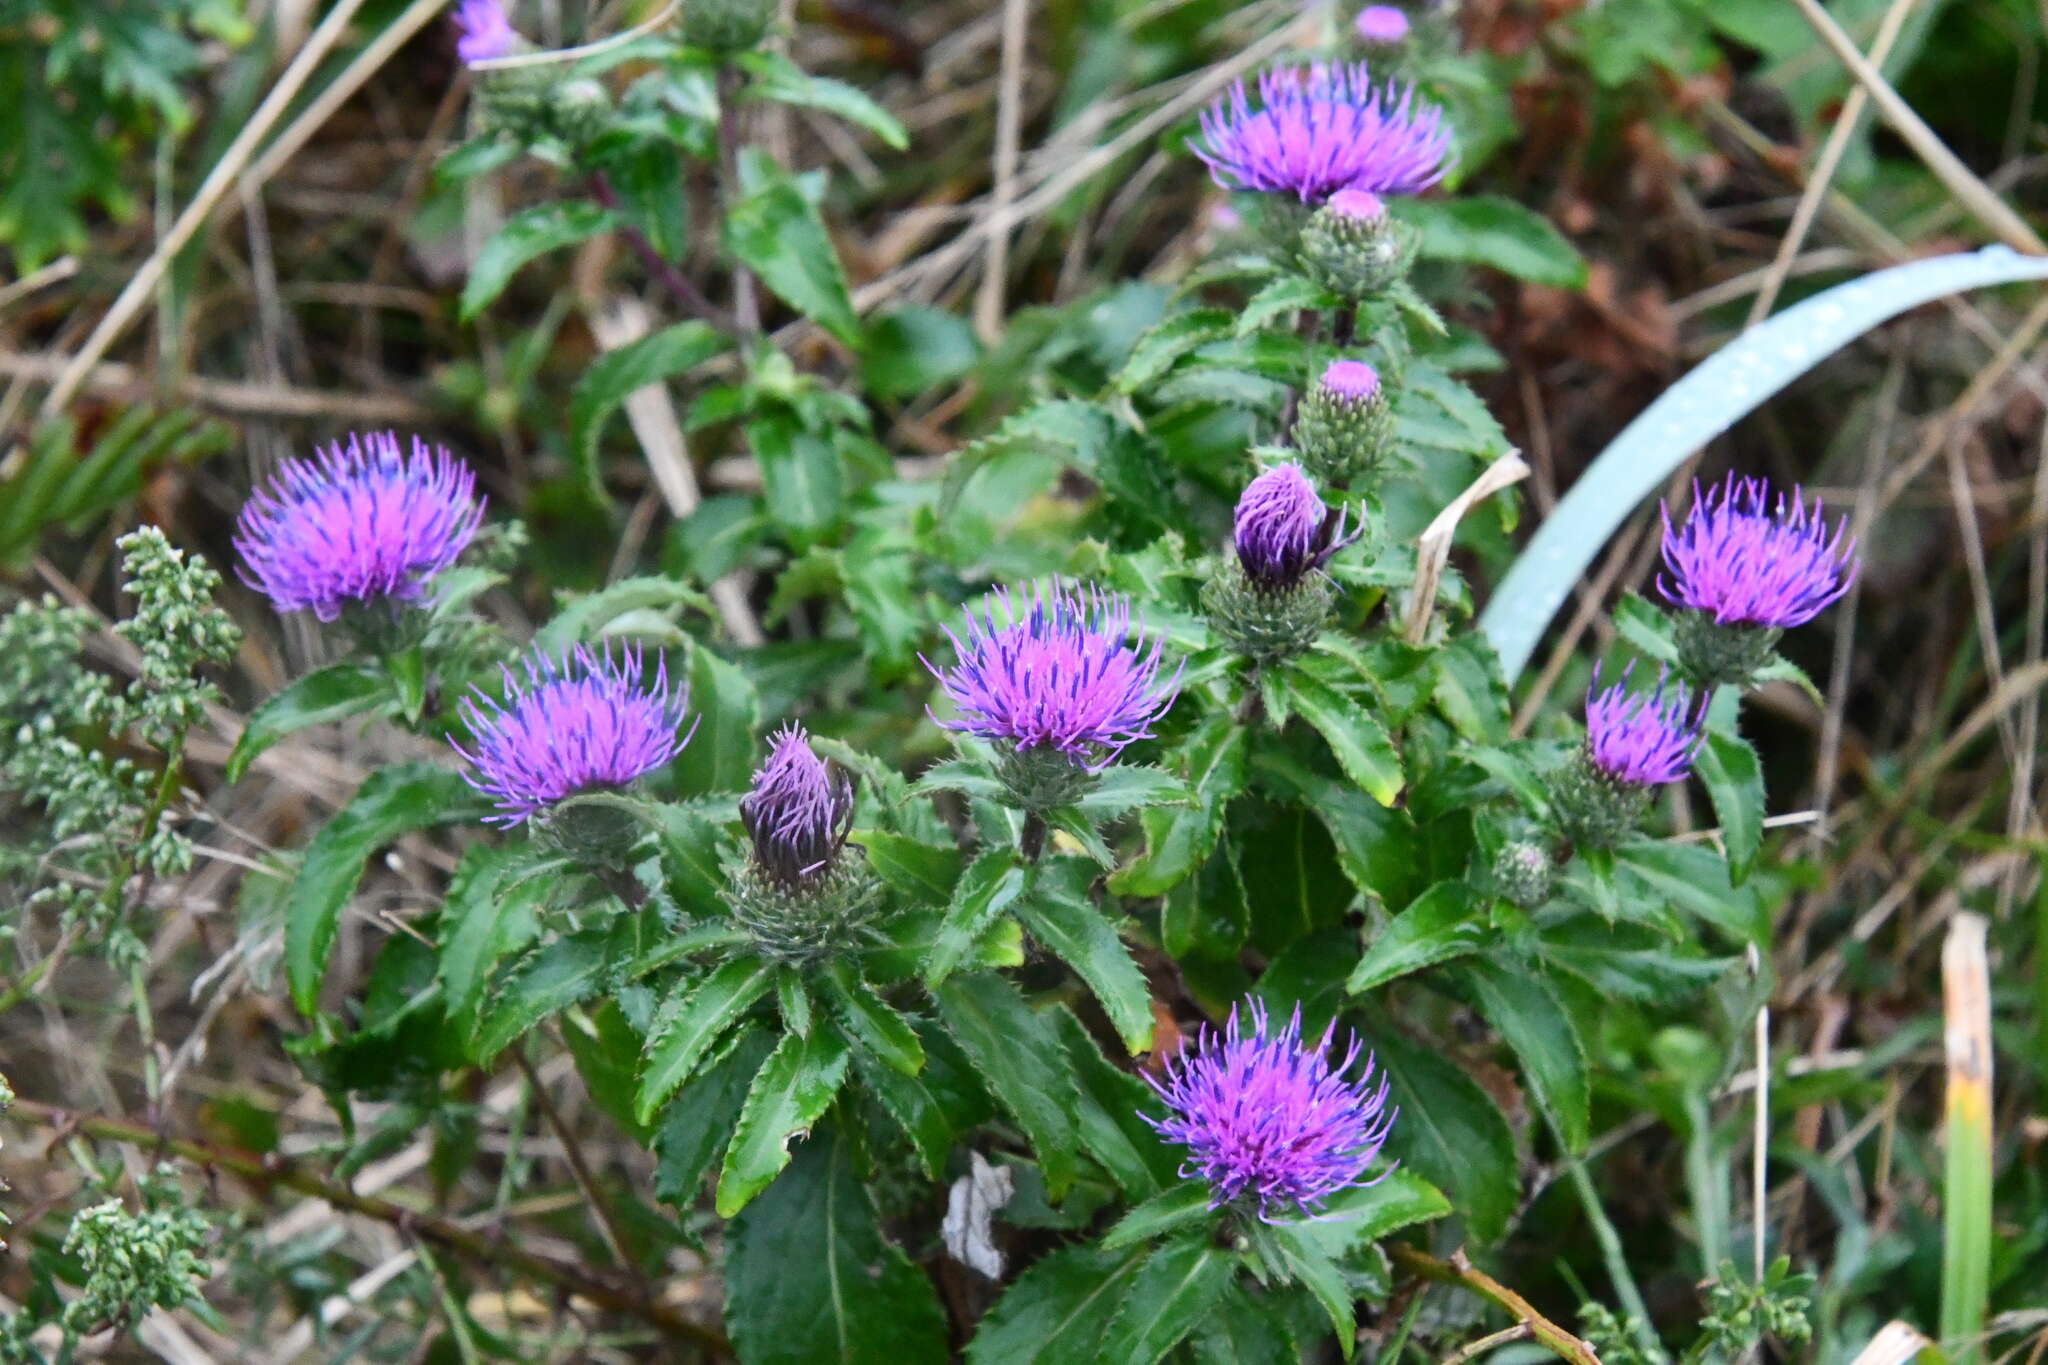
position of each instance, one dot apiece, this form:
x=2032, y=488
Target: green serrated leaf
x=1170, y=1296
x=1546, y=1042
x=320, y=698
x=811, y=1279
x=1359, y=742
x=1734, y=779
x=789, y=1094
x=776, y=232
x=492, y=910
x=990, y=883
x=925, y=873
x=1057, y=1312
x=620, y=373
x=1021, y=1062
x=869, y=1022
x=1122, y=788
x=692, y=1020
x=1178, y=841
x=391, y=802
x=527, y=236
x=1057, y=912
x=565, y=972
x=1182, y=1206
x=1444, y=922
x=783, y=81
x=1491, y=230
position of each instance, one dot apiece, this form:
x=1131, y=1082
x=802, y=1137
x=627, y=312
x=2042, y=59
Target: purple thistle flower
x=356, y=523
x=1643, y=740
x=1283, y=529
x=1060, y=674
x=1746, y=564
x=486, y=33
x=584, y=723
x=1381, y=24
x=1266, y=1119
x=798, y=810
x=1320, y=129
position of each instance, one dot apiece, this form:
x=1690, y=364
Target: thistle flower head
x=1745, y=562
x=1644, y=740
x=1323, y=128
x=798, y=811
x=1283, y=530
x=486, y=34
x=1059, y=671
x=589, y=722
x=1381, y=24
x=1267, y=1119
x=357, y=523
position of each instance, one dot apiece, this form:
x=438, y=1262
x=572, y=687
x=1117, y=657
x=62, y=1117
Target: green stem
x=1611, y=1252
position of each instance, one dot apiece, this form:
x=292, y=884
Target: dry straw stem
x=1824, y=169
x=224, y=173
x=1433, y=546
x=1993, y=212
x=1966, y=1183
x=1896, y=1343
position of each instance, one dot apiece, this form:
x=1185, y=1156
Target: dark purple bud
x=1268, y=1120
x=1746, y=564
x=797, y=812
x=1284, y=530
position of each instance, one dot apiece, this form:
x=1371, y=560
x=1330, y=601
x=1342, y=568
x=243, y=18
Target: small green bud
x=726, y=25
x=1345, y=423
x=1524, y=874
x=579, y=109
x=1353, y=248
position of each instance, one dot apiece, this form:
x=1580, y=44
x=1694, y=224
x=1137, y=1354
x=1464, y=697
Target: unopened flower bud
x=801, y=896
x=1523, y=873
x=1344, y=424
x=1274, y=601
x=1353, y=248
x=726, y=25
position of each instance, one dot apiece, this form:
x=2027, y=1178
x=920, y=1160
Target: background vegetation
x=1698, y=165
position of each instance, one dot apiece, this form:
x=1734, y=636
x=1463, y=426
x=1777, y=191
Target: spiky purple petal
x=1745, y=563
x=1268, y=1120
x=1283, y=529
x=1323, y=128
x=590, y=722
x=1059, y=671
x=1351, y=379
x=798, y=811
x=356, y=523
x=1645, y=739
